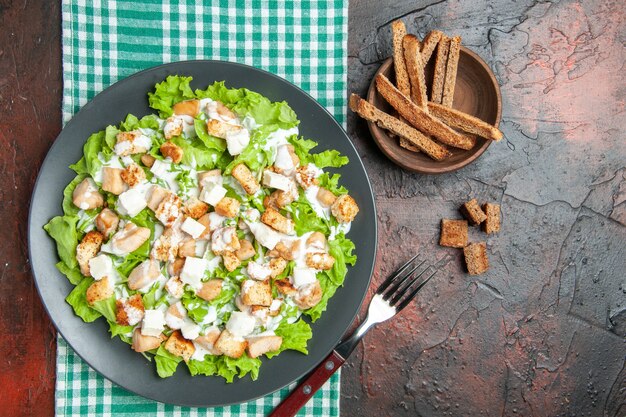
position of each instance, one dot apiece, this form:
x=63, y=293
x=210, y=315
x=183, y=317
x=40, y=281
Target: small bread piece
x=147, y=160
x=245, y=251
x=473, y=213
x=221, y=129
x=439, y=76
x=319, y=260
x=325, y=197
x=453, y=233
x=277, y=221
x=98, y=291
x=130, y=311
x=415, y=68
x=492, y=223
x=256, y=293
x=465, y=122
x=195, y=208
x=402, y=78
x=133, y=175
x=476, y=258
x=277, y=265
x=385, y=121
x=260, y=345
x=419, y=118
x=179, y=346
x=231, y=262
x=228, y=207
x=172, y=151
x=429, y=44
x=242, y=174
x=451, y=69
x=87, y=249
x=309, y=295
x=284, y=286
x=344, y=209
x=230, y=345
x=210, y=289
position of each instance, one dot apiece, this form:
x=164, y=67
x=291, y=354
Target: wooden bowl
x=477, y=92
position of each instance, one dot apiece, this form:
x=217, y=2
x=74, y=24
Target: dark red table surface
x=543, y=333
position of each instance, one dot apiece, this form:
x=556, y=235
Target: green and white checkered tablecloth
x=103, y=41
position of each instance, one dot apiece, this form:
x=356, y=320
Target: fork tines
x=400, y=288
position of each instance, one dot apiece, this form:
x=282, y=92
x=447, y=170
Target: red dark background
x=542, y=333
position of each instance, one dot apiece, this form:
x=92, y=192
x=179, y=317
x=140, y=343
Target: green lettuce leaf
x=196, y=151
x=63, y=230
x=73, y=274
x=68, y=206
x=166, y=362
x=304, y=217
x=169, y=92
x=120, y=331
x=211, y=142
x=106, y=308
x=226, y=367
x=328, y=158
x=295, y=337
x=78, y=300
x=331, y=183
x=150, y=121
x=197, y=308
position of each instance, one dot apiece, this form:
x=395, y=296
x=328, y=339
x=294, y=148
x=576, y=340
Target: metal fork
x=391, y=297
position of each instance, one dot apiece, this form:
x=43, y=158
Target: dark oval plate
x=113, y=358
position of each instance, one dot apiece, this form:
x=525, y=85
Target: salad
x=204, y=233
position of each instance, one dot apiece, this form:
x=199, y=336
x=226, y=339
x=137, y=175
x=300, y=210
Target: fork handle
x=308, y=387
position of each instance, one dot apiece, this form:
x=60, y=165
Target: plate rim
x=85, y=108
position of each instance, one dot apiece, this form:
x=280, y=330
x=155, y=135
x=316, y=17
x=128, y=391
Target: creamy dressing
x=311, y=196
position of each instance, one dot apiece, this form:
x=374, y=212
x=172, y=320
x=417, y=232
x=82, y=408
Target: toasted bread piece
x=406, y=144
x=143, y=343
x=179, y=346
x=277, y=221
x=451, y=69
x=231, y=262
x=465, y=122
x=99, y=290
x=402, y=78
x=277, y=265
x=284, y=286
x=195, y=208
x=419, y=118
x=320, y=260
x=344, y=208
x=385, y=121
x=87, y=249
x=473, y=213
x=429, y=44
x=244, y=176
x=453, y=233
x=256, y=293
x=260, y=345
x=415, y=69
x=210, y=289
x=492, y=223
x=227, y=207
x=245, y=251
x=476, y=258
x=230, y=345
x=436, y=93
x=147, y=160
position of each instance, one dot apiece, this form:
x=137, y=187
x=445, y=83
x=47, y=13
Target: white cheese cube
x=192, y=227
x=240, y=324
x=274, y=180
x=212, y=193
x=265, y=235
x=193, y=271
x=303, y=276
x=237, y=140
x=258, y=271
x=160, y=168
x=190, y=330
x=100, y=267
x=153, y=323
x=131, y=202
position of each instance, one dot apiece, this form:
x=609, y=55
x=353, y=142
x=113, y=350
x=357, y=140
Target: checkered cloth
x=103, y=41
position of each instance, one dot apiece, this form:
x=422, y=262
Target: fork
x=395, y=293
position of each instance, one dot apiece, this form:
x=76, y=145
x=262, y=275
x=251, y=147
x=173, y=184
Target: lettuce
x=197, y=308
x=147, y=122
x=78, y=300
x=211, y=142
x=63, y=230
x=166, y=362
x=328, y=158
x=295, y=337
x=226, y=367
x=196, y=152
x=73, y=274
x=331, y=183
x=304, y=217
x=169, y=92
x=106, y=308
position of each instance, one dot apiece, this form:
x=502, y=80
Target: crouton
x=177, y=345
x=228, y=207
x=107, y=222
x=208, y=340
x=133, y=175
x=175, y=287
x=284, y=251
x=473, y=213
x=260, y=345
x=164, y=249
x=143, y=343
x=156, y=194
x=277, y=265
x=476, y=258
x=325, y=197
x=173, y=127
x=129, y=312
x=309, y=295
x=344, y=209
x=187, y=108
x=172, y=151
x=492, y=223
x=453, y=233
x=284, y=286
x=187, y=248
x=243, y=175
x=306, y=175
x=112, y=180
x=231, y=262
x=87, y=249
x=86, y=196
x=256, y=293
x=129, y=239
x=130, y=143
x=210, y=289
x=169, y=210
x=175, y=267
x=319, y=260
x=147, y=160
x=231, y=345
x=277, y=221
x=224, y=240
x=220, y=129
x=279, y=199
x=99, y=290
x=146, y=273
x=317, y=240
x=195, y=208
x=246, y=250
